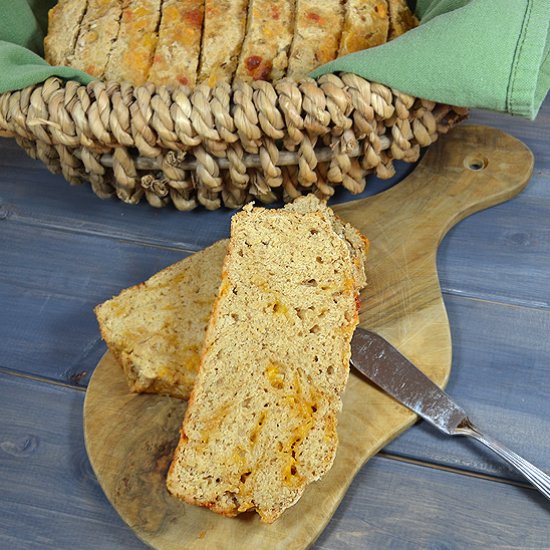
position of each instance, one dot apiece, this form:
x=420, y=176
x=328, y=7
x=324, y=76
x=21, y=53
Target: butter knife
x=384, y=365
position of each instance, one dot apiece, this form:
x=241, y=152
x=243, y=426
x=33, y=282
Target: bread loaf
x=366, y=24
x=132, y=52
x=176, y=57
x=270, y=28
x=98, y=31
x=261, y=421
x=317, y=33
x=219, y=56
x=156, y=329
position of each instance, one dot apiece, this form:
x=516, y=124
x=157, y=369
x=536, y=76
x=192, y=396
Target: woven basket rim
x=227, y=144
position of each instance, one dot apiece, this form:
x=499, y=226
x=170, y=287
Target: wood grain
x=398, y=506
x=512, y=250
x=50, y=498
x=129, y=438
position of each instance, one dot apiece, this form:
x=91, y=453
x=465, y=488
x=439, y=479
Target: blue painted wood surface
x=50, y=498
x=62, y=251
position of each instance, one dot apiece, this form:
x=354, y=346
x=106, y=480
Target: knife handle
x=538, y=478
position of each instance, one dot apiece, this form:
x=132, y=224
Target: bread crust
x=366, y=25
x=317, y=32
x=64, y=21
x=98, y=32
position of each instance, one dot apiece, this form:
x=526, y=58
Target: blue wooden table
x=62, y=251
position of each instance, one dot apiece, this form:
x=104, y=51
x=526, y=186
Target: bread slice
x=64, y=21
x=402, y=18
x=317, y=32
x=177, y=53
x=98, y=31
x=133, y=51
x=366, y=24
x=219, y=57
x=261, y=421
x=156, y=329
x=270, y=28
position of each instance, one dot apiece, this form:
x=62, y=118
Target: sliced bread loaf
x=366, y=25
x=317, y=32
x=223, y=35
x=133, y=50
x=270, y=27
x=156, y=329
x=177, y=53
x=261, y=421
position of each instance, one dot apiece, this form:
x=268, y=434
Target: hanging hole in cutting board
x=475, y=163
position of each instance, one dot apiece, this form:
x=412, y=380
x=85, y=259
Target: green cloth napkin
x=488, y=54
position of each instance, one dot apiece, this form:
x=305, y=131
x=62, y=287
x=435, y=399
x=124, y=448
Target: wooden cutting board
x=129, y=437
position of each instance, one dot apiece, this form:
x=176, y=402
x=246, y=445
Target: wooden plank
x=49, y=284
x=500, y=376
x=73, y=264
x=49, y=497
x=47, y=335
x=406, y=507
x=501, y=254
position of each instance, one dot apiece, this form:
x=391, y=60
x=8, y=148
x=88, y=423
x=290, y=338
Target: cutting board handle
x=470, y=169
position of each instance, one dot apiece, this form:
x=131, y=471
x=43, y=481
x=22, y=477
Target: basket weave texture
x=225, y=145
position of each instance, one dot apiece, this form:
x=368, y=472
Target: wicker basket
x=226, y=145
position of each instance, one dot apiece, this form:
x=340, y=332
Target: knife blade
x=384, y=365
x=389, y=369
